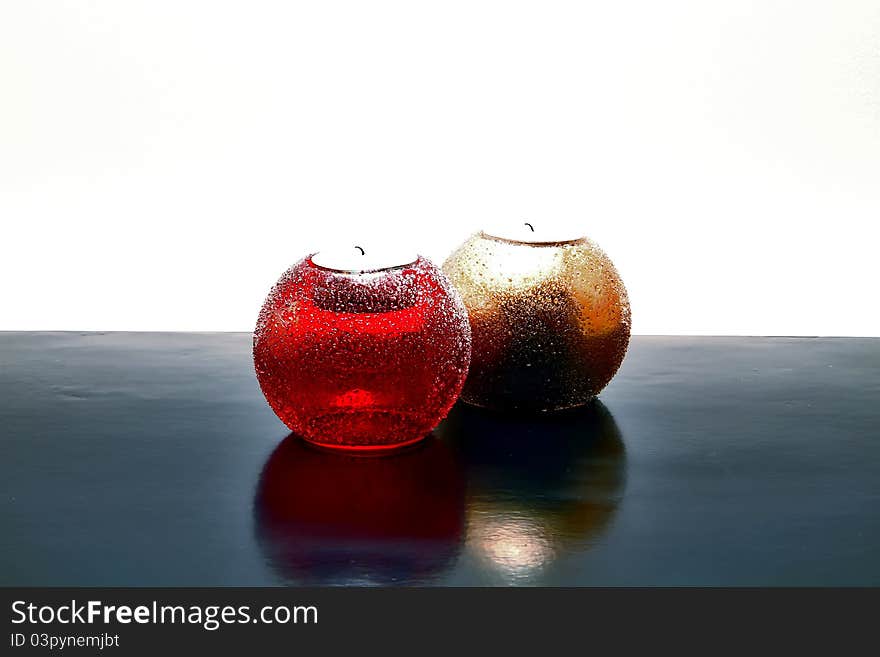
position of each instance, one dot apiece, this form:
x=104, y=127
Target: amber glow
x=550, y=322
x=517, y=545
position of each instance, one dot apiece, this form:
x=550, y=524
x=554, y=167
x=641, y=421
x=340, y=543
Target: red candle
x=360, y=353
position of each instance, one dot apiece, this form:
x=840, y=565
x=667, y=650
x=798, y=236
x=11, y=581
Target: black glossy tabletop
x=152, y=459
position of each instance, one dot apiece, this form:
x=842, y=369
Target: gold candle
x=550, y=320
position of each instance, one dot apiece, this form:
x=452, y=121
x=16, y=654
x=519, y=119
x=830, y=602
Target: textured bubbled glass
x=550, y=321
x=362, y=360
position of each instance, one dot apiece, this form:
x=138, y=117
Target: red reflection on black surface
x=336, y=518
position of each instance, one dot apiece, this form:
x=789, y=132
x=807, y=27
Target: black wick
x=530, y=226
x=362, y=251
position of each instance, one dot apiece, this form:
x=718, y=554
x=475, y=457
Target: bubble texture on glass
x=550, y=322
x=366, y=360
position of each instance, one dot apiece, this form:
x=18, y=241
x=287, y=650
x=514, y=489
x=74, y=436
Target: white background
x=161, y=163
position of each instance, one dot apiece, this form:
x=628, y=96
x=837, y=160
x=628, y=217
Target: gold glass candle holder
x=550, y=320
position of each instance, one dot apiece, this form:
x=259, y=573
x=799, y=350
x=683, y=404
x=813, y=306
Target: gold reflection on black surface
x=539, y=487
x=329, y=518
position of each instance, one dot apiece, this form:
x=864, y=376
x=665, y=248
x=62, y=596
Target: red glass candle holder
x=362, y=360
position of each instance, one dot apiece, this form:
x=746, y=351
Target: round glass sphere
x=550, y=321
x=362, y=360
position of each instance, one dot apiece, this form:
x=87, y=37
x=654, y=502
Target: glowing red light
x=362, y=361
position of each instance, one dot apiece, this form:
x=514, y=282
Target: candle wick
x=360, y=249
x=530, y=226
